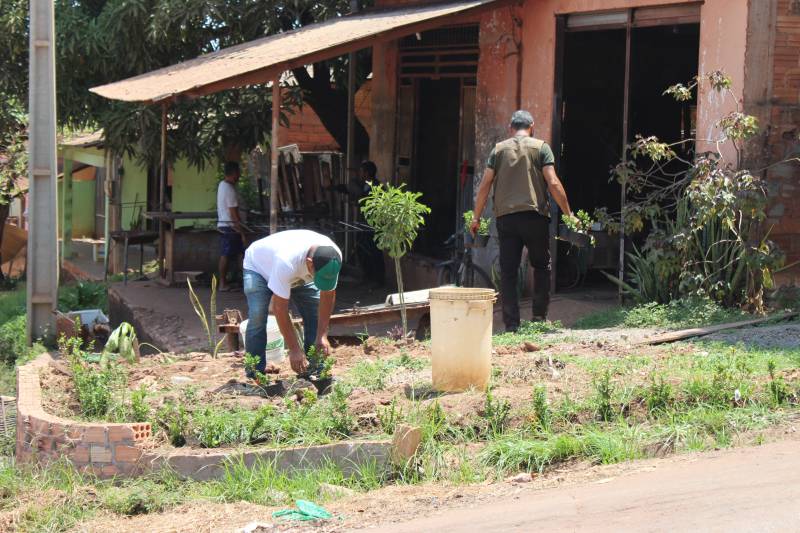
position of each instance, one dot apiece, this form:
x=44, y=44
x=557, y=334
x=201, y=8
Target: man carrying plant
x=300, y=266
x=521, y=170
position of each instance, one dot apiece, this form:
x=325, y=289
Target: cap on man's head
x=327, y=265
x=521, y=120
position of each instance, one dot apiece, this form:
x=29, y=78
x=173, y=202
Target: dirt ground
x=217, y=382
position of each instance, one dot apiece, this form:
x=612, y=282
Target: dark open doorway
x=436, y=164
x=596, y=104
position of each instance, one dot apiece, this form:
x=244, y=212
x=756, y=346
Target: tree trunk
x=399, y=273
x=330, y=105
x=4, y=210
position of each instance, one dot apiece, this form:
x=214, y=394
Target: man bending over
x=300, y=266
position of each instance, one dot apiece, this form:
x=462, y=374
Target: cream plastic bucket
x=461, y=338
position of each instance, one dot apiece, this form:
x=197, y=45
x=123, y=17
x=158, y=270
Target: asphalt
x=746, y=489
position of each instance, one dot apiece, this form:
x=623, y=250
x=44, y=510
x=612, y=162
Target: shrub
x=95, y=385
x=603, y=393
x=13, y=337
x=778, y=389
x=83, y=295
x=174, y=420
x=659, y=395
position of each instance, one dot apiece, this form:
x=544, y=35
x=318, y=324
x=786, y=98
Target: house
x=447, y=76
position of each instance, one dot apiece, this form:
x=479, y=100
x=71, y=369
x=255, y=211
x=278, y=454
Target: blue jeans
x=305, y=299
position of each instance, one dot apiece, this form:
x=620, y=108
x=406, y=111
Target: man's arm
x=556, y=189
x=327, y=299
x=483, y=196
x=297, y=358
x=237, y=220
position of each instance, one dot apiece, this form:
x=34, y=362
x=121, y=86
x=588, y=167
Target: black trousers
x=532, y=230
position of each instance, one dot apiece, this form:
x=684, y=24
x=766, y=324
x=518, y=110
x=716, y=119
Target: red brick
x=99, y=454
x=119, y=433
x=80, y=455
x=94, y=435
x=128, y=454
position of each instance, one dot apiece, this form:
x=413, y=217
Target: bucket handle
x=474, y=305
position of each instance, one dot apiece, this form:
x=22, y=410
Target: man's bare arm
x=237, y=220
x=327, y=300
x=297, y=357
x=556, y=189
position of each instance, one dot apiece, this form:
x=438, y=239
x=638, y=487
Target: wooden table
x=166, y=223
x=133, y=237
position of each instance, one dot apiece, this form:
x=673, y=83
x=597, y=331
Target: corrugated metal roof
x=263, y=59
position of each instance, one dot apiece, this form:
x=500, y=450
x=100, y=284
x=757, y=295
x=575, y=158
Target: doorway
x=614, y=70
x=436, y=128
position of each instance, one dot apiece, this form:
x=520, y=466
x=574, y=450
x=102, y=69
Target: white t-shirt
x=226, y=198
x=281, y=259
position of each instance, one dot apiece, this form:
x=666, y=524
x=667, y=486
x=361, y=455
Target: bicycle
x=460, y=270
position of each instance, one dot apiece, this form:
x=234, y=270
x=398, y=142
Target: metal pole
x=273, y=175
x=626, y=97
x=351, y=127
x=42, y=266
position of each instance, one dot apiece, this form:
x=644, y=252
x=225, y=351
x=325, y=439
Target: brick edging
x=106, y=450
x=111, y=450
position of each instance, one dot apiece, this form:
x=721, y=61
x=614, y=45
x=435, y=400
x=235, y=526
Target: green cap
x=327, y=265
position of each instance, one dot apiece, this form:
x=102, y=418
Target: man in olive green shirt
x=521, y=170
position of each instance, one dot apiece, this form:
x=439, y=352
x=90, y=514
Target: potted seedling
x=481, y=238
x=576, y=229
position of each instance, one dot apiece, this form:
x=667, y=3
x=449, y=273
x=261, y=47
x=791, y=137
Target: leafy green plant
x=251, y=363
x=95, y=385
x=495, y=412
x=83, y=295
x=396, y=216
x=778, y=389
x=705, y=215
x=174, y=420
x=541, y=409
x=140, y=409
x=658, y=395
x=390, y=416
x=207, y=320
x=318, y=361
x=13, y=335
x=580, y=223
x=604, y=391
x=483, y=224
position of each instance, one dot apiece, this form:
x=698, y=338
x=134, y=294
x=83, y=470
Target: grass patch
x=372, y=374
x=528, y=331
x=678, y=314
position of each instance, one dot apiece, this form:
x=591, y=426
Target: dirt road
x=747, y=489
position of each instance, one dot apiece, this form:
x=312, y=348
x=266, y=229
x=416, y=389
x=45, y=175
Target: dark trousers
x=531, y=230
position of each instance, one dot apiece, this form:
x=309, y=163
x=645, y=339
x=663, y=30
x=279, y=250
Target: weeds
x=495, y=412
x=659, y=395
x=208, y=321
x=390, y=416
x=778, y=389
x=94, y=384
x=174, y=420
x=541, y=410
x=603, y=396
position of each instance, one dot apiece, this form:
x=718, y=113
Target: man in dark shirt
x=521, y=170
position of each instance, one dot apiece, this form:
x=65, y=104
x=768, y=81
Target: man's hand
x=324, y=346
x=473, y=227
x=298, y=361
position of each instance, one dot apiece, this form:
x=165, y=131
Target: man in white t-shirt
x=229, y=223
x=300, y=266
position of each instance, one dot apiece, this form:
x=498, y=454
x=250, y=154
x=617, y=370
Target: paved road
x=747, y=489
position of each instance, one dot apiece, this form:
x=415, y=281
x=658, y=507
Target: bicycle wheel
x=446, y=276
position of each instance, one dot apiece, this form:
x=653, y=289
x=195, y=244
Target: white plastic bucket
x=275, y=346
x=461, y=338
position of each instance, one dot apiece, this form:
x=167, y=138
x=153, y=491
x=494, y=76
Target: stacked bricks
x=106, y=450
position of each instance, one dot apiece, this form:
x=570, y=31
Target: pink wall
x=722, y=43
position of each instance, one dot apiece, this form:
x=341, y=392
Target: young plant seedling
x=251, y=369
x=483, y=223
x=580, y=223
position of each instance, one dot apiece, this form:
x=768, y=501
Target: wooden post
x=66, y=218
x=273, y=176
x=42, y=267
x=625, y=112
x=350, y=160
x=162, y=191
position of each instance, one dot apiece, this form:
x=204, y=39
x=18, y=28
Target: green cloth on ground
x=306, y=511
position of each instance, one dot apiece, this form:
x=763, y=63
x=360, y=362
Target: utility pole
x=43, y=210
